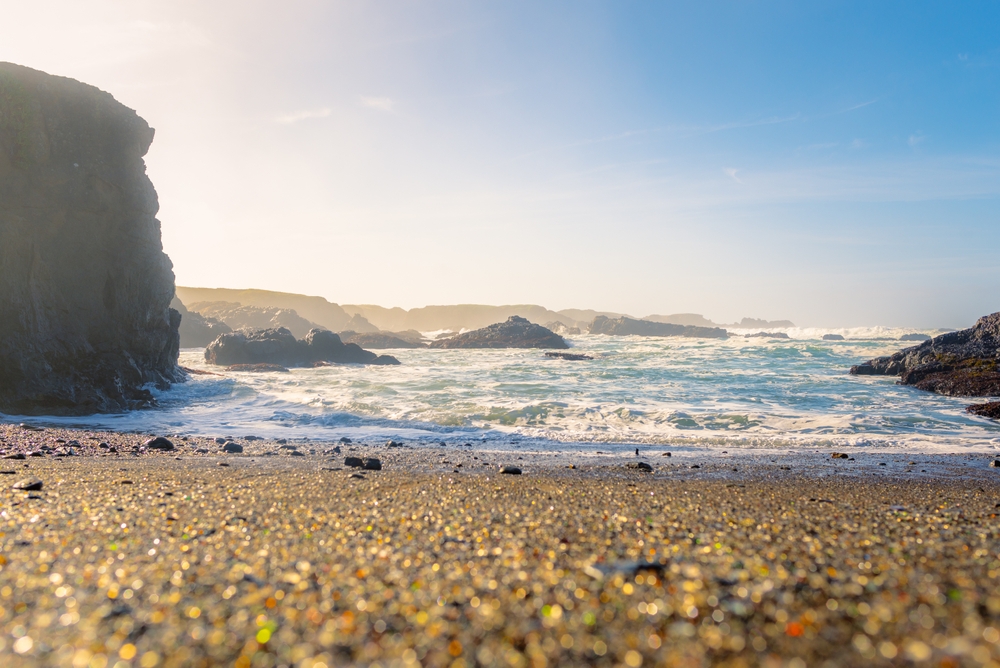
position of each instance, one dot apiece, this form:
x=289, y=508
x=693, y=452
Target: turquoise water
x=737, y=393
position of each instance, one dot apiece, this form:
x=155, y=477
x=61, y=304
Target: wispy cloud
x=380, y=103
x=299, y=116
x=858, y=106
x=915, y=139
x=732, y=174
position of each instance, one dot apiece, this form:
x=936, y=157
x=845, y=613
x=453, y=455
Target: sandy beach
x=265, y=558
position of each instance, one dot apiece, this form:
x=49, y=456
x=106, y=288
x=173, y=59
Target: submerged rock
x=85, y=317
x=382, y=340
x=833, y=337
x=989, y=410
x=625, y=326
x=962, y=363
x=516, y=332
x=279, y=347
x=574, y=357
x=767, y=335
x=915, y=337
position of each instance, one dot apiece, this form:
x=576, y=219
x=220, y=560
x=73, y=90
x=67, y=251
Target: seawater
x=762, y=393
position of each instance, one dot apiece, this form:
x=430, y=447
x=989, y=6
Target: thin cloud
x=299, y=116
x=915, y=139
x=732, y=174
x=858, y=106
x=380, y=103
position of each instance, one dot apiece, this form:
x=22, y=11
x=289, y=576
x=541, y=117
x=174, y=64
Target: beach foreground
x=185, y=558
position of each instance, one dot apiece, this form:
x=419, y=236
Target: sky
x=832, y=163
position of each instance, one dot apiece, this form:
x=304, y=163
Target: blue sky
x=835, y=163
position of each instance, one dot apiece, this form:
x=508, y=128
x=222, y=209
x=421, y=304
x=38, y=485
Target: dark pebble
x=509, y=470
x=232, y=447
x=356, y=462
x=28, y=484
x=639, y=466
x=373, y=464
x=159, y=443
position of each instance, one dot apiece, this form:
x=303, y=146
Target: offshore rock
x=85, y=287
x=833, y=337
x=625, y=326
x=767, y=335
x=279, y=347
x=196, y=330
x=990, y=410
x=962, y=363
x=516, y=332
x=915, y=337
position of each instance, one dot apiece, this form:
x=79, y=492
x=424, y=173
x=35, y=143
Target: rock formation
x=279, y=346
x=629, y=327
x=833, y=337
x=85, y=287
x=196, y=330
x=962, y=363
x=237, y=316
x=767, y=335
x=915, y=337
x=516, y=332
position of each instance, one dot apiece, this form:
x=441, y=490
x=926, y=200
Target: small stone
x=220, y=441
x=344, y=439
x=202, y=451
x=232, y=447
x=126, y=482
x=159, y=443
x=251, y=438
x=639, y=466
x=838, y=455
x=509, y=470
x=393, y=444
x=296, y=453
x=281, y=441
x=356, y=462
x=357, y=475
x=223, y=464
x=696, y=466
x=16, y=455
x=373, y=464
x=103, y=446
x=288, y=447
x=28, y=485
x=666, y=454
x=28, y=427
x=36, y=453
x=995, y=463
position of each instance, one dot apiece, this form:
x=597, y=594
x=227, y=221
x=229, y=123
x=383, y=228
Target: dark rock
x=838, y=455
x=85, y=317
x=359, y=476
x=234, y=316
x=355, y=462
x=962, y=363
x=159, y=443
x=625, y=326
x=639, y=466
x=573, y=357
x=767, y=335
x=296, y=453
x=221, y=441
x=28, y=485
x=279, y=347
x=344, y=439
x=915, y=337
x=196, y=330
x=232, y=447
x=516, y=332
x=833, y=337
x=373, y=464
x=36, y=453
x=287, y=446
x=28, y=427
x=393, y=444
x=990, y=410
x=508, y=470
x=380, y=340
x=16, y=455
x=223, y=464
x=202, y=451
x=281, y=441
x=995, y=463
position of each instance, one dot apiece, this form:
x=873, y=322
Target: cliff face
x=85, y=286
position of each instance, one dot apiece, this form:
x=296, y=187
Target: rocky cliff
x=629, y=327
x=963, y=363
x=85, y=287
x=196, y=330
x=237, y=316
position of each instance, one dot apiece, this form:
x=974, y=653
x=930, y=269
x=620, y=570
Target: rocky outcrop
x=196, y=330
x=833, y=337
x=962, y=363
x=990, y=409
x=516, y=332
x=313, y=309
x=381, y=340
x=915, y=337
x=758, y=323
x=236, y=316
x=625, y=326
x=561, y=329
x=85, y=287
x=280, y=347
x=360, y=325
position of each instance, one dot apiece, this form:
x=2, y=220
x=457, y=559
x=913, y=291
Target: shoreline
x=254, y=559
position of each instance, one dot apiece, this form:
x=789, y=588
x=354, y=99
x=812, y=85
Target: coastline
x=258, y=559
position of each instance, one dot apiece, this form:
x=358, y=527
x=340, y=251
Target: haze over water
x=682, y=393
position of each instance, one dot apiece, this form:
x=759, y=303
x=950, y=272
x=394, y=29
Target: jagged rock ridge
x=85, y=287
x=962, y=363
x=279, y=346
x=628, y=327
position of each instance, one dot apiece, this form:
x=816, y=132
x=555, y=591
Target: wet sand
x=152, y=558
